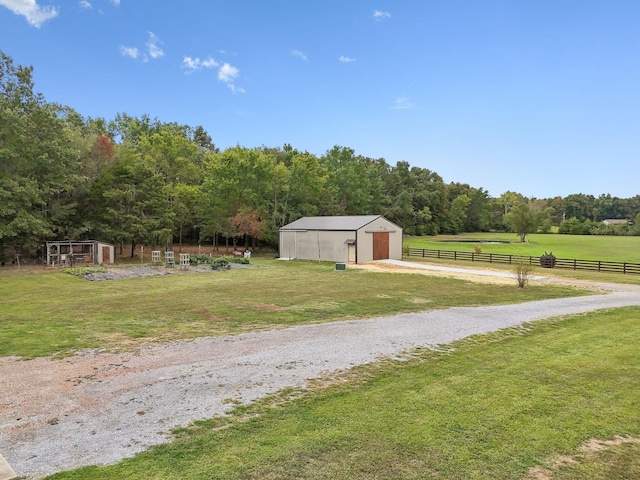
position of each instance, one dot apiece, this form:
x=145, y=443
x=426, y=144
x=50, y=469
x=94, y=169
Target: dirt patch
x=266, y=307
x=420, y=300
x=116, y=273
x=381, y=267
x=595, y=445
x=209, y=316
x=592, y=445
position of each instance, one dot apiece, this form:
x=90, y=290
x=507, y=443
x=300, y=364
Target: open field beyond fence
x=562, y=263
x=587, y=247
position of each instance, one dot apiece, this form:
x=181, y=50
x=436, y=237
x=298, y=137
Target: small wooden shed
x=69, y=253
x=344, y=239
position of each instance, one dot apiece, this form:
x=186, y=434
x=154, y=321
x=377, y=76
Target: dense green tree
x=352, y=186
x=39, y=162
x=457, y=214
x=417, y=199
x=526, y=218
x=187, y=203
x=479, y=211
x=635, y=228
x=573, y=226
x=580, y=206
x=203, y=140
x=510, y=199
x=235, y=180
x=132, y=203
x=558, y=205
x=300, y=189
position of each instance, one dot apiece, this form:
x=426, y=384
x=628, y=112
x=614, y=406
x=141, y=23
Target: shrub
x=523, y=272
x=207, y=260
x=197, y=259
x=239, y=260
x=220, y=263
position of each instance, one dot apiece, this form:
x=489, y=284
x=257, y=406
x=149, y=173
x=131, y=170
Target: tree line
x=136, y=180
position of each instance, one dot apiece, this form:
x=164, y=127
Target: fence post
x=455, y=255
x=624, y=267
x=491, y=258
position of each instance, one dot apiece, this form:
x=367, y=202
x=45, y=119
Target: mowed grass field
x=47, y=312
x=582, y=247
x=519, y=404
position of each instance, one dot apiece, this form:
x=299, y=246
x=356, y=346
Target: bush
x=217, y=263
x=197, y=259
x=523, y=272
x=220, y=263
x=239, y=260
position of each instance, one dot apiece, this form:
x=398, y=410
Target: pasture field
x=47, y=312
x=582, y=247
x=567, y=275
x=518, y=404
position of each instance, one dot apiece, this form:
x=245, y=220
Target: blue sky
x=539, y=97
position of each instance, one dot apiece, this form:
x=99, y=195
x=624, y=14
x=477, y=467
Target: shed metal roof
x=350, y=222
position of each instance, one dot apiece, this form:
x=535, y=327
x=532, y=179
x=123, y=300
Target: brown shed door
x=106, y=257
x=380, y=245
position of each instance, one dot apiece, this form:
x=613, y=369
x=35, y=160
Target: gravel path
x=98, y=408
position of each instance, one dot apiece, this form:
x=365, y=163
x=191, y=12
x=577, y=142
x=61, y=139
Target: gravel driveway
x=98, y=408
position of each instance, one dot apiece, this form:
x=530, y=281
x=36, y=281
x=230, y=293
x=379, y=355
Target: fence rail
x=565, y=263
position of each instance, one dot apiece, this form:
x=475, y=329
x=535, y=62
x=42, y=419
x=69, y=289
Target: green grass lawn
x=582, y=247
x=491, y=408
x=46, y=312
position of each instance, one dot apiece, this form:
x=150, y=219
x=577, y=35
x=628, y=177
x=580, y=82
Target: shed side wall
x=321, y=245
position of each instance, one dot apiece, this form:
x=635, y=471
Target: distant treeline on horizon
x=133, y=180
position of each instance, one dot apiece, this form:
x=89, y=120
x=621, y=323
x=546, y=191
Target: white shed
x=345, y=239
x=70, y=253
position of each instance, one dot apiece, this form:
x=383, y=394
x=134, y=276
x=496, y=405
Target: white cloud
x=193, y=64
x=403, y=103
x=153, y=49
x=34, y=14
x=209, y=63
x=116, y=2
x=227, y=73
x=86, y=5
x=235, y=89
x=299, y=54
x=129, y=51
x=379, y=15
x=344, y=59
x=153, y=46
